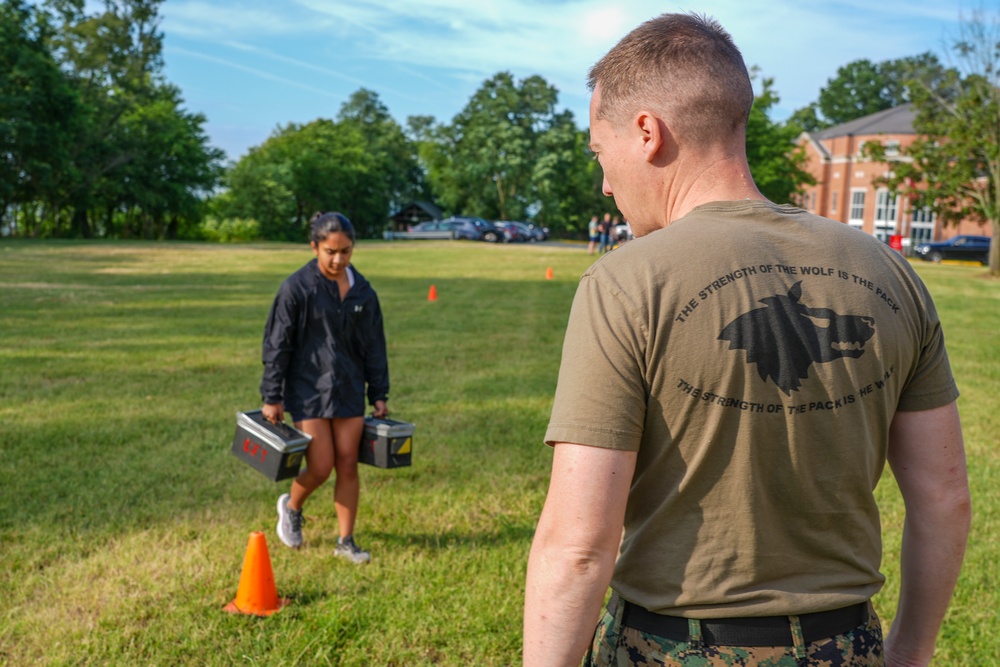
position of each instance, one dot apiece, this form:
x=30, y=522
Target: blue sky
x=251, y=65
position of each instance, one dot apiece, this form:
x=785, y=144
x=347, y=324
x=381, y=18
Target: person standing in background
x=605, y=229
x=592, y=234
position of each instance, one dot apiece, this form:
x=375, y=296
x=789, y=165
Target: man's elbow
x=953, y=497
x=586, y=561
x=947, y=509
x=574, y=561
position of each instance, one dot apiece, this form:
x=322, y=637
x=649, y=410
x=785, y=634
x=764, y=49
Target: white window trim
x=886, y=213
x=852, y=221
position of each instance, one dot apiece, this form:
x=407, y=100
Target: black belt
x=748, y=631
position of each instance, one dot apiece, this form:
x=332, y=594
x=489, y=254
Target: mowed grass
x=124, y=519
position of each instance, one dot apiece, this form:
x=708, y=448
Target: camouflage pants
x=617, y=646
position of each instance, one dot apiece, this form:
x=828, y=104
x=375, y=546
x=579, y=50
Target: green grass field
x=124, y=519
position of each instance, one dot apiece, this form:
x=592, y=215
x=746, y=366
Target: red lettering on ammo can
x=252, y=450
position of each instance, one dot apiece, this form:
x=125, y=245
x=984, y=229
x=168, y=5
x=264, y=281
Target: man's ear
x=654, y=134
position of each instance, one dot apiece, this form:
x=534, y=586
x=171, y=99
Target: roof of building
x=417, y=211
x=898, y=120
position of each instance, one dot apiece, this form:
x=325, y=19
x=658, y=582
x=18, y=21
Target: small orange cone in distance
x=432, y=295
x=548, y=273
x=257, y=593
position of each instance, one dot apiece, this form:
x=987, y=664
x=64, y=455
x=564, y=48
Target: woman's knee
x=347, y=439
x=319, y=472
x=347, y=467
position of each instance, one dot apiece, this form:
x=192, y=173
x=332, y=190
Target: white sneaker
x=289, y=523
x=346, y=548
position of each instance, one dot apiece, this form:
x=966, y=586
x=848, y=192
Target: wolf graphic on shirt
x=786, y=337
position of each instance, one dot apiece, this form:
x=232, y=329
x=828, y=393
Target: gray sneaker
x=289, y=523
x=346, y=548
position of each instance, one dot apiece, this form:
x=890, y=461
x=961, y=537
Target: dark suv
x=971, y=248
x=489, y=231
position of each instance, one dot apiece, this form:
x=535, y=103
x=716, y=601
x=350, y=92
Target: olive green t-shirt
x=754, y=355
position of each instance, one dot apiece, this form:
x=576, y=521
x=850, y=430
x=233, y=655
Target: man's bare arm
x=574, y=550
x=927, y=456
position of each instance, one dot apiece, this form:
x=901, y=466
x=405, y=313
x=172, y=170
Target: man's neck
x=725, y=179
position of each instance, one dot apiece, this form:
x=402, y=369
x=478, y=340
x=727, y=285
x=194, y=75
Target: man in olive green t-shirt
x=733, y=382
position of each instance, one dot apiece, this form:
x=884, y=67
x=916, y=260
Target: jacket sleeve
x=279, y=340
x=376, y=360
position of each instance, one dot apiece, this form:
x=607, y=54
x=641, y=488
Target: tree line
x=95, y=143
x=509, y=154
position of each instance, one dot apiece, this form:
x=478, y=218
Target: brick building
x=844, y=190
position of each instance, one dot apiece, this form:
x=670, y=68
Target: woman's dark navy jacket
x=319, y=352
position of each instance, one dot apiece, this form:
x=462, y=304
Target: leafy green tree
x=862, y=87
x=302, y=169
x=169, y=171
x=363, y=164
x=859, y=89
x=260, y=188
x=429, y=139
x=134, y=163
x=567, y=179
x=38, y=111
x=113, y=58
x=776, y=163
x=902, y=75
x=488, y=153
x=954, y=165
x=807, y=119
x=394, y=154
x=510, y=155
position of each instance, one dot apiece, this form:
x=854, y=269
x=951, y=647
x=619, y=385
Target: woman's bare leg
x=319, y=460
x=346, y=440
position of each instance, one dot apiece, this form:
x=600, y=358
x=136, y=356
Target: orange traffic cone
x=256, y=594
x=548, y=273
x=432, y=295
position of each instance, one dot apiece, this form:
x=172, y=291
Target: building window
x=886, y=207
x=891, y=148
x=922, y=223
x=857, y=216
x=833, y=203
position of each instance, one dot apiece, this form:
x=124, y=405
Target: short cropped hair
x=323, y=224
x=683, y=66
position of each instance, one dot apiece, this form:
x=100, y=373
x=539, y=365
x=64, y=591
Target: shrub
x=230, y=230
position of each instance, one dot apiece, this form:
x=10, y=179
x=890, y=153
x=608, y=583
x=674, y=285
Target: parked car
x=972, y=248
x=465, y=230
x=512, y=232
x=531, y=233
x=489, y=232
x=461, y=229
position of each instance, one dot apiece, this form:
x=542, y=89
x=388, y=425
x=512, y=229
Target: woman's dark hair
x=323, y=224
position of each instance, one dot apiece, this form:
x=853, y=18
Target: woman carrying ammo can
x=323, y=342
